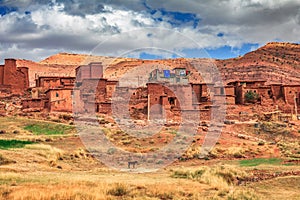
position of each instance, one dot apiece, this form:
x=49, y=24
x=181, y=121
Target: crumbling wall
x=13, y=77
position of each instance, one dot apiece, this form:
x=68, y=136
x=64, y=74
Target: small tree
x=251, y=96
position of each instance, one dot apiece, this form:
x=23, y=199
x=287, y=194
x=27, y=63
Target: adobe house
x=60, y=99
x=104, y=108
x=277, y=91
x=13, y=80
x=166, y=97
x=90, y=71
x=47, y=82
x=91, y=88
x=291, y=94
x=36, y=104
x=225, y=91
x=202, y=91
x=258, y=87
x=110, y=88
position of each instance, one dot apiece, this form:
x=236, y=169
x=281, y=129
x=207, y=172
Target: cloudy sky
x=35, y=29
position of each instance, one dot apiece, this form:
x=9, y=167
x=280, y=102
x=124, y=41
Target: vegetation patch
x=260, y=161
x=188, y=174
x=251, y=96
x=48, y=129
x=219, y=177
x=118, y=190
x=9, y=144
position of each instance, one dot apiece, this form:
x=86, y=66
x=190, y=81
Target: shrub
x=118, y=190
x=251, y=96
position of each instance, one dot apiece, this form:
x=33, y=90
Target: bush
x=118, y=190
x=251, y=96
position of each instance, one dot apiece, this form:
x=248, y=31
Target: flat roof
x=58, y=89
x=68, y=77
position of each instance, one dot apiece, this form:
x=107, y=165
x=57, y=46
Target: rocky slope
x=274, y=62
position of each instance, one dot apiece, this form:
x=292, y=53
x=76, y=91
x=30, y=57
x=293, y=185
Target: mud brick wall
x=291, y=93
x=229, y=91
x=1, y=74
x=223, y=99
x=60, y=100
x=5, y=90
x=155, y=94
x=33, y=103
x=93, y=70
x=184, y=96
x=197, y=90
x=264, y=92
x=47, y=83
x=96, y=70
x=95, y=88
x=78, y=101
x=55, y=82
x=101, y=90
x=277, y=91
x=110, y=88
x=15, y=77
x=104, y=108
x=205, y=114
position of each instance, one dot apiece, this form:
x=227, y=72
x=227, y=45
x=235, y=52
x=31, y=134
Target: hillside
x=274, y=62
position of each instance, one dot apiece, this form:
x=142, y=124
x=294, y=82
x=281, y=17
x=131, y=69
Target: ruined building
x=13, y=80
x=53, y=94
x=93, y=93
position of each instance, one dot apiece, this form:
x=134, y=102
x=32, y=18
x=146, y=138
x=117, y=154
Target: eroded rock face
x=274, y=62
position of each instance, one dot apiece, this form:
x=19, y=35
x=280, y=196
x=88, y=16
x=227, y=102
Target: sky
x=149, y=29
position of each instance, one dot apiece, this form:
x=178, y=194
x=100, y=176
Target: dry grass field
x=46, y=160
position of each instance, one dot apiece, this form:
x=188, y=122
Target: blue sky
x=35, y=29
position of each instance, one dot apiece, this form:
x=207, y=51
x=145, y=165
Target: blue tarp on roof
x=167, y=73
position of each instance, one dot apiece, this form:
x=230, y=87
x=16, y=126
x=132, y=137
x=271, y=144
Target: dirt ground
x=60, y=167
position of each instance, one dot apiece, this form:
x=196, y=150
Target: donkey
x=132, y=163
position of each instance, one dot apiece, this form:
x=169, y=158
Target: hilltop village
x=91, y=92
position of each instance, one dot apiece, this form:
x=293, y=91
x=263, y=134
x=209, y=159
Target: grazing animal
x=132, y=163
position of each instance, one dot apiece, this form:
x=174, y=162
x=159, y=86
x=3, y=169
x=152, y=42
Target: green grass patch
x=48, y=129
x=9, y=144
x=260, y=161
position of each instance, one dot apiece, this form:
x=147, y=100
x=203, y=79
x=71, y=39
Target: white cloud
x=79, y=26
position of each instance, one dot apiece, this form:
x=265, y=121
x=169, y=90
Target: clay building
x=110, y=88
x=90, y=71
x=59, y=100
x=93, y=93
x=48, y=82
x=13, y=80
x=39, y=99
x=202, y=91
x=34, y=104
x=291, y=94
x=164, y=100
x=227, y=92
x=264, y=92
